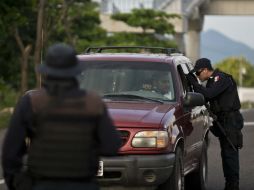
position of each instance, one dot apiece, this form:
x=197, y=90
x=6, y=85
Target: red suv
x=163, y=124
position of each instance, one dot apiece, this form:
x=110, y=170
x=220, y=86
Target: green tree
x=155, y=26
x=75, y=22
x=241, y=70
x=24, y=24
x=17, y=35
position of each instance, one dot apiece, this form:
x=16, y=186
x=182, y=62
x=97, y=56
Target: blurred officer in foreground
x=68, y=129
x=221, y=93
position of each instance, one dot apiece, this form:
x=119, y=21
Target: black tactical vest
x=228, y=100
x=64, y=144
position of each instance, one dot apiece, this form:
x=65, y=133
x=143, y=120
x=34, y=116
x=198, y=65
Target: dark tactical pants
x=232, y=124
x=230, y=161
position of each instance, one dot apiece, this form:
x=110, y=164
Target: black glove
x=192, y=71
x=191, y=78
x=22, y=181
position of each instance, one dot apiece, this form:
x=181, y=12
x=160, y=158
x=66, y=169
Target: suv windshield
x=129, y=80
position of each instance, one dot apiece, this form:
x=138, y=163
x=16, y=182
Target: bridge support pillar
x=192, y=45
x=179, y=38
x=192, y=39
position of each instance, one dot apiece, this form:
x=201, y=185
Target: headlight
x=150, y=139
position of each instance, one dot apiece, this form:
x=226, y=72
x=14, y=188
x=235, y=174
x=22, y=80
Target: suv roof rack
x=167, y=51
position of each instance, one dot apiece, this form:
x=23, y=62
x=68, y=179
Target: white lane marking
x=248, y=123
x=1, y=181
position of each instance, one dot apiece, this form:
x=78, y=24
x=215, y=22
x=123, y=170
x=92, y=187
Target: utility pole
x=39, y=38
x=240, y=74
x=242, y=71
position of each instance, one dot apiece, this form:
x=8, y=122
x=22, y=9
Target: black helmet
x=203, y=63
x=60, y=61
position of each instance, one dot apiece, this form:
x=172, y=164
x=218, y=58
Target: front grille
x=112, y=175
x=124, y=136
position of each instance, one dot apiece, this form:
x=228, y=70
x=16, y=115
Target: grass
x=8, y=99
x=4, y=120
x=247, y=105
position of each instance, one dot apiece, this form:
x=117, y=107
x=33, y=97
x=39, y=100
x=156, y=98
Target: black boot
x=232, y=185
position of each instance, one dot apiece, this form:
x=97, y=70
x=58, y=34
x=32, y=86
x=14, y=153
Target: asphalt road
x=215, y=175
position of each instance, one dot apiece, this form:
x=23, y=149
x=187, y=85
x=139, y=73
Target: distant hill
x=217, y=47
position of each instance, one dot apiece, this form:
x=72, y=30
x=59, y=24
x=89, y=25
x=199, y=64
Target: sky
x=238, y=28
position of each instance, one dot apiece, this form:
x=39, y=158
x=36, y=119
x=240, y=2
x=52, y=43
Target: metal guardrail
x=246, y=94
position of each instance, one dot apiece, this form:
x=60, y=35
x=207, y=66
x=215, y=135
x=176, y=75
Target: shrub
x=4, y=119
x=247, y=105
x=8, y=98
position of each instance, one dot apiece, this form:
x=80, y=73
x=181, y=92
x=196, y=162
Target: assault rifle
x=222, y=130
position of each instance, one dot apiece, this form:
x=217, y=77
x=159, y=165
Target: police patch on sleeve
x=216, y=78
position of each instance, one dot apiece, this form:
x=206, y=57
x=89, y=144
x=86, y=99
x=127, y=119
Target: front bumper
x=136, y=170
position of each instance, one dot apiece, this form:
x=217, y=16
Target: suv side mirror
x=193, y=99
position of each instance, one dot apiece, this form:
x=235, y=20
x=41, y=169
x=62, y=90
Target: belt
x=227, y=113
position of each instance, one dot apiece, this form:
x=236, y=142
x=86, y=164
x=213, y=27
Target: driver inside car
x=161, y=84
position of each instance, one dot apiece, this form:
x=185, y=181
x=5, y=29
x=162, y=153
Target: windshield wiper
x=131, y=96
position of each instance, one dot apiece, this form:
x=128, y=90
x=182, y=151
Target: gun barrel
x=221, y=128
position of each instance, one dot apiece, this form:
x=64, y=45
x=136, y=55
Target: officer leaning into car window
x=62, y=129
x=221, y=93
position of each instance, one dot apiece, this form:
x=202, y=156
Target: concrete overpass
x=193, y=11
x=187, y=28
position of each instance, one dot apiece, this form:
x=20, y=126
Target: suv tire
x=176, y=180
x=198, y=179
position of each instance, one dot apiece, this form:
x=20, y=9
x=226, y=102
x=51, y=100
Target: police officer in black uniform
x=62, y=129
x=221, y=93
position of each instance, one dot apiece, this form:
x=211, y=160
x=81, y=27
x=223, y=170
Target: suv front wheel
x=198, y=179
x=176, y=180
